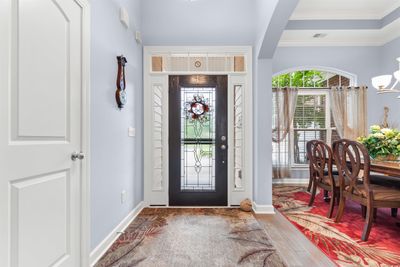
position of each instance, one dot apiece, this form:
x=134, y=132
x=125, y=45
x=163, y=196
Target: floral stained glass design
x=198, y=139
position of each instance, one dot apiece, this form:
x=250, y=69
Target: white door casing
x=43, y=120
x=179, y=61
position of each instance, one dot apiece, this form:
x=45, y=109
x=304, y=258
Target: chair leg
x=326, y=196
x=313, y=192
x=332, y=204
x=363, y=211
x=310, y=183
x=368, y=221
x=394, y=212
x=340, y=210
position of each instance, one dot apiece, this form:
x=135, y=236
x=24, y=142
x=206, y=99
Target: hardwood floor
x=291, y=244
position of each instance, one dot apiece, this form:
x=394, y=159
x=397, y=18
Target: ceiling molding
x=348, y=24
x=344, y=9
x=390, y=17
x=326, y=44
x=334, y=25
x=342, y=37
x=390, y=10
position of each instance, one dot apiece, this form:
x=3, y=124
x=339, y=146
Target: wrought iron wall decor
x=120, y=94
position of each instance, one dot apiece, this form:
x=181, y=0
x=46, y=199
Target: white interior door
x=41, y=87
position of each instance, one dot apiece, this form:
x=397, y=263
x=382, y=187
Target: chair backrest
x=353, y=163
x=309, y=147
x=321, y=159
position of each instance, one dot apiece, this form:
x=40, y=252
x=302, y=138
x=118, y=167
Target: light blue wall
x=204, y=22
x=262, y=121
x=262, y=183
x=389, y=64
x=116, y=159
x=272, y=17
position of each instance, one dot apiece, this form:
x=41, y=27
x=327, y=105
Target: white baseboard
x=263, y=209
x=291, y=181
x=104, y=245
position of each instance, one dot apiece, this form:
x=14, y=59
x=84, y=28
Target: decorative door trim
x=159, y=63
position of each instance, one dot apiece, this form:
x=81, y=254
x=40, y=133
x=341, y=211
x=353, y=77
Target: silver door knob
x=77, y=155
x=223, y=147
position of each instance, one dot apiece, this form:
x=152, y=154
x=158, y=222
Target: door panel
x=198, y=140
x=33, y=202
x=40, y=127
x=32, y=63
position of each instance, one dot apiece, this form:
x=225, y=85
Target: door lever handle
x=77, y=155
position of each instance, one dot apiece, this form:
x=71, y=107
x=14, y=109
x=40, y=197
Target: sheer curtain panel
x=284, y=105
x=349, y=104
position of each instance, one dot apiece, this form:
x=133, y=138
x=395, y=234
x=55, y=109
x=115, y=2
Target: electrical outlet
x=123, y=197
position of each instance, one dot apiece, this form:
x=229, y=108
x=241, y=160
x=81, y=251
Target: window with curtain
x=312, y=118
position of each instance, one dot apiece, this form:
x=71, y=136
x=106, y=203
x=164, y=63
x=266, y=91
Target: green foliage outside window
x=306, y=78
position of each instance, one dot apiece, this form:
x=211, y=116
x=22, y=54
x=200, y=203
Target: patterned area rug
x=342, y=241
x=192, y=237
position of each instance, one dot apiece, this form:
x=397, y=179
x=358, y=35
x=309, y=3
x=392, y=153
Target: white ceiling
x=344, y=9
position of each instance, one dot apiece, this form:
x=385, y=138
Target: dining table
x=390, y=168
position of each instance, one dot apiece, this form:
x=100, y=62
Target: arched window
x=313, y=117
x=311, y=79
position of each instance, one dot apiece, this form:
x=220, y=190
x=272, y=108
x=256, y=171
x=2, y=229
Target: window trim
x=353, y=81
x=352, y=77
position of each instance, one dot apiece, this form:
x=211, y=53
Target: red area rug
x=341, y=242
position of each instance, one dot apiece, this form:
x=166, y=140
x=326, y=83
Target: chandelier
x=381, y=83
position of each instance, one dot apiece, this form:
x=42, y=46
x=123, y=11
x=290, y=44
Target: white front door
x=41, y=88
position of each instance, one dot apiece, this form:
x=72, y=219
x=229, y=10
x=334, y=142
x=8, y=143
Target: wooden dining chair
x=387, y=181
x=353, y=163
x=321, y=162
x=309, y=147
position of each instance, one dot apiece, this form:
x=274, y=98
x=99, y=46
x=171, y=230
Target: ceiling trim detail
x=342, y=37
x=333, y=25
x=347, y=24
x=339, y=12
x=342, y=32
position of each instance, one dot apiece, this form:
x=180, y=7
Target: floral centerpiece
x=382, y=143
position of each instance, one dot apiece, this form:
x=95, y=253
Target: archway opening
x=311, y=117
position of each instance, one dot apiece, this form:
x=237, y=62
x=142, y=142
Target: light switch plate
x=131, y=131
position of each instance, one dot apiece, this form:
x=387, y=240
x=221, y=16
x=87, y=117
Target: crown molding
x=369, y=37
